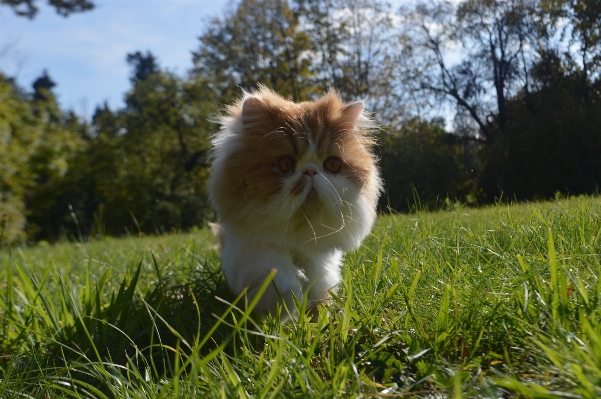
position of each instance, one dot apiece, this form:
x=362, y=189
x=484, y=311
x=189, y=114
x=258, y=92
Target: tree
x=585, y=18
x=165, y=144
x=139, y=168
x=143, y=65
x=496, y=38
x=18, y=134
x=28, y=8
x=300, y=48
x=42, y=87
x=38, y=141
x=553, y=146
x=353, y=51
x=260, y=41
x=422, y=164
x=144, y=167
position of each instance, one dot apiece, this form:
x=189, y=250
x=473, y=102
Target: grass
x=502, y=301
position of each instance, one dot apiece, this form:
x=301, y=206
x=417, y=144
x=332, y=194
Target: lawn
x=503, y=301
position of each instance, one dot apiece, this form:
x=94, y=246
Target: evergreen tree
x=42, y=87
x=143, y=65
x=38, y=141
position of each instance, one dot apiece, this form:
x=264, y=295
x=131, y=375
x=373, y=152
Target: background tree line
x=477, y=100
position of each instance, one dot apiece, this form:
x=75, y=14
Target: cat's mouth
x=305, y=189
x=312, y=194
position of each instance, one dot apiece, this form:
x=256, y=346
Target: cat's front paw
x=278, y=299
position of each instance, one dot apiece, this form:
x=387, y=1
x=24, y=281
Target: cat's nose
x=310, y=171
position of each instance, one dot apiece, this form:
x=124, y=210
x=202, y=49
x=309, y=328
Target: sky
x=85, y=52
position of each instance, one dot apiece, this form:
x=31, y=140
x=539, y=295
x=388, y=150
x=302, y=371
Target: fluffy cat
x=294, y=185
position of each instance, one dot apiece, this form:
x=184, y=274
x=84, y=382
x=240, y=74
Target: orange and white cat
x=295, y=185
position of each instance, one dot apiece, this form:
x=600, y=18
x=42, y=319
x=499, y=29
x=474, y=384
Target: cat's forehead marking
x=310, y=153
x=294, y=130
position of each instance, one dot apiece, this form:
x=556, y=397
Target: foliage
x=37, y=144
x=352, y=46
x=257, y=42
x=495, y=302
x=550, y=147
x=494, y=36
x=143, y=169
x=515, y=81
x=42, y=86
x=301, y=48
x=16, y=134
x=586, y=30
x=143, y=65
x=521, y=87
x=28, y=8
x=423, y=165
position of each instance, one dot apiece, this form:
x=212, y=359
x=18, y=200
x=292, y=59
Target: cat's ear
x=252, y=111
x=352, y=112
x=251, y=106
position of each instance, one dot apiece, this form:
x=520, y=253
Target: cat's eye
x=285, y=164
x=333, y=164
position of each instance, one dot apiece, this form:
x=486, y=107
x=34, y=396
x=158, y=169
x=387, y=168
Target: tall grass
x=496, y=302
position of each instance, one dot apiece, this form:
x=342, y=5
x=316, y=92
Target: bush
x=423, y=165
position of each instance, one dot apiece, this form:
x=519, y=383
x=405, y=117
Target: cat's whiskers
x=277, y=246
x=316, y=217
x=250, y=204
x=333, y=188
x=315, y=237
x=308, y=221
x=342, y=216
x=350, y=207
x=287, y=194
x=324, y=235
x=310, y=211
x=275, y=230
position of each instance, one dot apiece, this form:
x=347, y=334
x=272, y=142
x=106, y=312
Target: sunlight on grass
x=500, y=301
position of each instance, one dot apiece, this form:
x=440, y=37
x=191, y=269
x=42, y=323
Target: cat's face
x=295, y=173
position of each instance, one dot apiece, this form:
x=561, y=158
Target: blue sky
x=85, y=53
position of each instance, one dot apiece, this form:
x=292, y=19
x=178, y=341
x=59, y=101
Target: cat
x=294, y=185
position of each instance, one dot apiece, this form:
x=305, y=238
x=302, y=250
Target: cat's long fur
x=298, y=222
